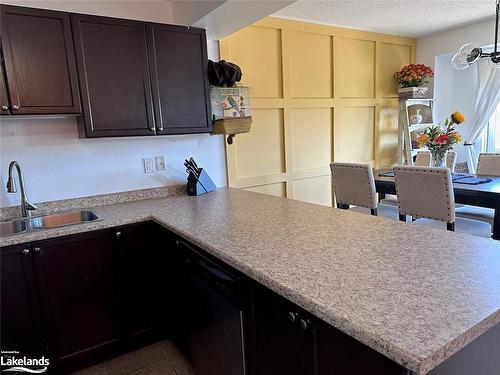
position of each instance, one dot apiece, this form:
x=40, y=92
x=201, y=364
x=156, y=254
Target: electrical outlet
x=148, y=165
x=160, y=163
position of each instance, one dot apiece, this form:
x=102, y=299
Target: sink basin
x=62, y=219
x=47, y=222
x=12, y=227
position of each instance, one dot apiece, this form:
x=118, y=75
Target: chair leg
x=450, y=226
x=402, y=218
x=374, y=212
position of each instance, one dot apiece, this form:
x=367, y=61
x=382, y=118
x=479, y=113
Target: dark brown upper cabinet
x=4, y=98
x=39, y=61
x=114, y=77
x=178, y=65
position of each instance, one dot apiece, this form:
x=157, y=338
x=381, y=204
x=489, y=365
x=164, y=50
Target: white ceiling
x=412, y=18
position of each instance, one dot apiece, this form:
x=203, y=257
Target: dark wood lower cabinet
x=338, y=353
x=281, y=346
x=287, y=340
x=144, y=279
x=78, y=286
x=21, y=328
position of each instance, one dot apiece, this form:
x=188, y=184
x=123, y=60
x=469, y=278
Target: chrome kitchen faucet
x=26, y=206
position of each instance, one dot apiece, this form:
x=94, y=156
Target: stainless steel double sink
x=29, y=224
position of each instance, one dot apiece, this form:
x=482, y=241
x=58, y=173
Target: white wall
x=188, y=12
x=144, y=10
x=231, y=16
x=58, y=165
x=428, y=47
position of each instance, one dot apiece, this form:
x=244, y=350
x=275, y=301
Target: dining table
x=485, y=194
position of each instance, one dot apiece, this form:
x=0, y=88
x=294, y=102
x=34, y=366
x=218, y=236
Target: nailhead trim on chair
x=483, y=154
x=348, y=165
x=421, y=170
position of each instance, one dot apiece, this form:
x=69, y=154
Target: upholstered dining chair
x=423, y=159
x=451, y=160
x=489, y=165
x=426, y=193
x=354, y=185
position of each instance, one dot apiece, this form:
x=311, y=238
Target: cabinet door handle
x=36, y=249
x=5, y=108
x=304, y=324
x=15, y=107
x=118, y=234
x=26, y=251
x=292, y=316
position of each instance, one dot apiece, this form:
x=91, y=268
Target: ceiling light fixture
x=470, y=53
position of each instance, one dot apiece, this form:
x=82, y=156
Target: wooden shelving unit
x=407, y=131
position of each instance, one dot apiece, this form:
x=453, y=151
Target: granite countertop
x=414, y=295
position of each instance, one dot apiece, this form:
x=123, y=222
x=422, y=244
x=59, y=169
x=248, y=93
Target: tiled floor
x=161, y=358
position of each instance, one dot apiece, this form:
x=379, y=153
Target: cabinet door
x=114, y=76
x=340, y=354
x=20, y=324
x=77, y=278
x=280, y=345
x=178, y=65
x=4, y=99
x=39, y=61
x=143, y=278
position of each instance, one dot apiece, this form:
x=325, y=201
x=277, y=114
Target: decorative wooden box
x=232, y=126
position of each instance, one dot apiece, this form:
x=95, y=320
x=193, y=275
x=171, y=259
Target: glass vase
x=438, y=158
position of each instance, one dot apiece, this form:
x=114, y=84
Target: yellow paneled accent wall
x=319, y=94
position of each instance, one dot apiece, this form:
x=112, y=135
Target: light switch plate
x=160, y=163
x=148, y=165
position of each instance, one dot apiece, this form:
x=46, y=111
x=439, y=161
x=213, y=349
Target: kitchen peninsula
x=414, y=298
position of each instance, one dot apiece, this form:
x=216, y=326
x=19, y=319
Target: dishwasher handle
x=205, y=264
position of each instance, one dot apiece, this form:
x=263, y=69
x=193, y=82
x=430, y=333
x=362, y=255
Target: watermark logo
x=12, y=361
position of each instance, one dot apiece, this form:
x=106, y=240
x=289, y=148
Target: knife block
x=199, y=185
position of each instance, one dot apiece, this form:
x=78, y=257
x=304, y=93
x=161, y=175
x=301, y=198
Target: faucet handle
x=30, y=206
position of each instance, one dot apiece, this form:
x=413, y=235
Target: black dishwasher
x=212, y=315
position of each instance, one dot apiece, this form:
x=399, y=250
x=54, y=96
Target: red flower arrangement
x=441, y=140
x=414, y=75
